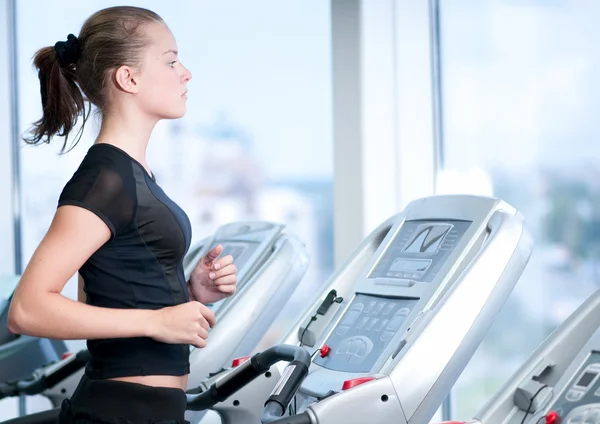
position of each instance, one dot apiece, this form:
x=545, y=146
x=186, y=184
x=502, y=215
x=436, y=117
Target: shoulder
x=103, y=183
x=103, y=168
x=107, y=158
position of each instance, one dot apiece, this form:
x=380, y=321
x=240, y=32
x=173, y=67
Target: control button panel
x=579, y=402
x=586, y=414
x=574, y=395
x=364, y=331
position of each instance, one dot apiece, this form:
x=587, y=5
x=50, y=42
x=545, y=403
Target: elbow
x=14, y=321
x=17, y=319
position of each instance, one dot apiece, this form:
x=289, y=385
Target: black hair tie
x=68, y=52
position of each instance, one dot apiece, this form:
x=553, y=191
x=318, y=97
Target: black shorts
x=118, y=402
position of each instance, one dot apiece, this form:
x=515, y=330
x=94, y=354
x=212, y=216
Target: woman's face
x=162, y=79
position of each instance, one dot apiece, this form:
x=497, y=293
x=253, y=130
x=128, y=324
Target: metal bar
x=438, y=126
x=11, y=17
x=16, y=161
x=436, y=82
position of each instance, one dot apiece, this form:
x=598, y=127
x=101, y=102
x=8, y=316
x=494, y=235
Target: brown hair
x=84, y=66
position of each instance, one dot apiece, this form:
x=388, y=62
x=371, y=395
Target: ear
x=126, y=79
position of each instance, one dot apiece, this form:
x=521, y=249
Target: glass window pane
x=520, y=94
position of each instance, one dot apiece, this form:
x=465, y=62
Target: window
x=256, y=142
x=520, y=93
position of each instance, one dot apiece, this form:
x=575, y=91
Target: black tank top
x=139, y=267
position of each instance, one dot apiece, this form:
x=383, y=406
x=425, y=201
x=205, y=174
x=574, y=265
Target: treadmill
x=271, y=264
x=559, y=382
x=393, y=328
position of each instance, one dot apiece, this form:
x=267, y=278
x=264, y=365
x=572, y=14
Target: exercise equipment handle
x=247, y=372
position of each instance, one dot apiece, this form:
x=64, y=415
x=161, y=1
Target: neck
x=129, y=133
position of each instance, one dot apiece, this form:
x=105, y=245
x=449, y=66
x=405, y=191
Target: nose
x=186, y=75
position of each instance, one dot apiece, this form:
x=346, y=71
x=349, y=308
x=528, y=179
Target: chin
x=173, y=109
x=174, y=114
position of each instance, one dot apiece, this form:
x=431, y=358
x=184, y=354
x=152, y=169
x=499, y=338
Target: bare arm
x=39, y=309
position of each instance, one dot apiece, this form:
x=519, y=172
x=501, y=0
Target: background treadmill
x=398, y=322
x=559, y=382
x=270, y=266
x=21, y=355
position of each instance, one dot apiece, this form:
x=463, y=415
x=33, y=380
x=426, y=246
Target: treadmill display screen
x=364, y=331
x=419, y=250
x=236, y=250
x=586, y=379
x=427, y=238
x=241, y=251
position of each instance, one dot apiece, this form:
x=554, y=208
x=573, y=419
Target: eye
x=172, y=64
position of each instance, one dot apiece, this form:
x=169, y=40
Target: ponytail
x=81, y=69
x=62, y=99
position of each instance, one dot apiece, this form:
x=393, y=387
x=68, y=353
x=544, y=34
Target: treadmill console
x=419, y=250
x=364, y=331
x=248, y=243
x=241, y=251
x=387, y=297
x=579, y=403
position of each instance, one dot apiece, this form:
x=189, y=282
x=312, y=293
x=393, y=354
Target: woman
x=117, y=227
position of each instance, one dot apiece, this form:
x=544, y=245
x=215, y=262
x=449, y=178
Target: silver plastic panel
x=436, y=354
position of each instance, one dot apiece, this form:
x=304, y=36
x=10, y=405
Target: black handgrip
x=80, y=361
x=31, y=387
x=37, y=385
x=224, y=388
x=240, y=377
x=286, y=389
x=8, y=390
x=245, y=373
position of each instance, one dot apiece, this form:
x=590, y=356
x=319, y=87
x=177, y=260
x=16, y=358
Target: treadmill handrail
x=250, y=370
x=40, y=382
